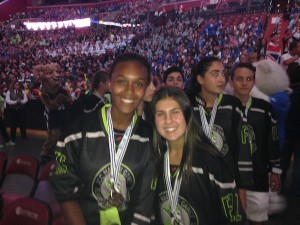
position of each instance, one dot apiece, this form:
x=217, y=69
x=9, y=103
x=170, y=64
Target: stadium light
x=78, y=23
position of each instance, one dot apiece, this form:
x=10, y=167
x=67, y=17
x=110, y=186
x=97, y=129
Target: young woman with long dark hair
x=195, y=185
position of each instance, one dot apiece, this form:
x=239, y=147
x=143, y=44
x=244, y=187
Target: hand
x=274, y=182
x=243, y=197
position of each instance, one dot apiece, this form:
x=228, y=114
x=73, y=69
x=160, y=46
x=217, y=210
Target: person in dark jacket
x=219, y=115
x=100, y=87
x=292, y=132
x=195, y=184
x=104, y=159
x=15, y=105
x=261, y=134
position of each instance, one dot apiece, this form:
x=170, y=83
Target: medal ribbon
x=207, y=128
x=116, y=158
x=249, y=102
x=172, y=193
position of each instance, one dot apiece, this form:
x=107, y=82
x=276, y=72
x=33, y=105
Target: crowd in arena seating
x=59, y=13
x=183, y=38
x=292, y=33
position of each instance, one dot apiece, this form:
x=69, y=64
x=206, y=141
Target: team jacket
x=227, y=129
x=262, y=136
x=92, y=103
x=58, y=118
x=83, y=170
x=210, y=196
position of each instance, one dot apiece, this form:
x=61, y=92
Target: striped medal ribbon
x=207, y=128
x=172, y=193
x=116, y=157
x=249, y=102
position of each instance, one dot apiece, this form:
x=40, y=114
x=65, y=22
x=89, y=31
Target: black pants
x=17, y=118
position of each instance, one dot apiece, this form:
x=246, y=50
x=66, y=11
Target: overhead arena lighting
x=78, y=23
x=118, y=24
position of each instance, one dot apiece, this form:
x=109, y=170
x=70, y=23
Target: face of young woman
x=169, y=120
x=149, y=92
x=214, y=79
x=128, y=86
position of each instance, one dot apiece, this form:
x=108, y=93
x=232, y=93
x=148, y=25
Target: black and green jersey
x=226, y=133
x=208, y=197
x=83, y=170
x=262, y=137
x=92, y=103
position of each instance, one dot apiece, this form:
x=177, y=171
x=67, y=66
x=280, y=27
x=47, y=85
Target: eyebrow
x=176, y=108
x=217, y=71
x=175, y=76
x=124, y=76
x=241, y=76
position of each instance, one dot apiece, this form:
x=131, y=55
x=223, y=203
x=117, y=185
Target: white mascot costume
x=272, y=85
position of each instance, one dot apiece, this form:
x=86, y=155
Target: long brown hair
x=199, y=69
x=195, y=139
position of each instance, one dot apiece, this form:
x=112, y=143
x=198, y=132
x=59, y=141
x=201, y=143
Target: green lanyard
x=104, y=117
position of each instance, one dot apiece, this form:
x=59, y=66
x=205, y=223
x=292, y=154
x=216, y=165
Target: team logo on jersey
x=101, y=186
x=219, y=140
x=248, y=136
x=188, y=214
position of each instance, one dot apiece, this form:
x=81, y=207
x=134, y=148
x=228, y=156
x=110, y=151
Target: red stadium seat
x=44, y=190
x=59, y=221
x=19, y=179
x=27, y=211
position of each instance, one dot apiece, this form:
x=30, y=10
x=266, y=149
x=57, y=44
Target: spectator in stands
x=257, y=29
x=81, y=82
x=292, y=56
x=287, y=40
x=296, y=31
x=286, y=15
x=96, y=99
x=241, y=59
x=174, y=77
x=225, y=55
x=252, y=57
x=294, y=21
x=229, y=64
x=15, y=104
x=262, y=48
x=32, y=93
x=111, y=188
x=6, y=141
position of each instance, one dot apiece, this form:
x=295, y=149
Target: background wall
x=11, y=7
